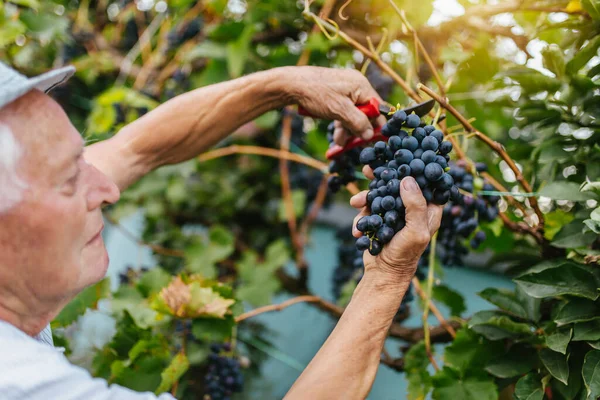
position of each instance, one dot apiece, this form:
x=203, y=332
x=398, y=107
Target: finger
x=435, y=217
x=340, y=136
x=379, y=121
x=416, y=210
x=355, y=232
x=368, y=172
x=355, y=120
x=359, y=200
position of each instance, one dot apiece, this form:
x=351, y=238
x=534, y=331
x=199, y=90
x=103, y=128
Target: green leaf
x=577, y=310
x=451, y=298
x=153, y=281
x=591, y=374
x=469, y=350
x=568, y=278
x=529, y=387
x=299, y=200
x=35, y=4
x=573, y=235
x=213, y=330
x=88, y=298
x=416, y=362
x=504, y=299
x=584, y=55
x=448, y=385
x=238, y=52
x=559, y=339
x=518, y=361
x=179, y=365
x=533, y=81
x=555, y=220
x=573, y=386
x=592, y=7
x=531, y=304
x=554, y=60
x=564, y=191
x=207, y=49
x=556, y=363
x=497, y=326
x=587, y=330
x=197, y=353
x=595, y=345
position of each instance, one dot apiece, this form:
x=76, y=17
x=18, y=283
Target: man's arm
x=345, y=367
x=190, y=124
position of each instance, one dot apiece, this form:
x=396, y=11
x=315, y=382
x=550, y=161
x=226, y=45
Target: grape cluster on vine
x=422, y=154
x=224, y=376
x=463, y=216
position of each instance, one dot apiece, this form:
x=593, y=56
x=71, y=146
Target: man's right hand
x=330, y=93
x=398, y=260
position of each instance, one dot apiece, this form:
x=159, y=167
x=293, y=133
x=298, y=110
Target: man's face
x=50, y=243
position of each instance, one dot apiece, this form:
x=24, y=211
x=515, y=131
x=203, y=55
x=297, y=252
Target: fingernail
x=409, y=184
x=368, y=134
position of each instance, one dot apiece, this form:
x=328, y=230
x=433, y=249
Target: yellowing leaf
x=176, y=296
x=573, y=6
x=205, y=302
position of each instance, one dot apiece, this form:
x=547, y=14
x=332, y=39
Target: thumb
x=417, y=219
x=355, y=120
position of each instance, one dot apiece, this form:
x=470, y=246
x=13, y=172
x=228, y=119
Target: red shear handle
x=370, y=109
x=337, y=150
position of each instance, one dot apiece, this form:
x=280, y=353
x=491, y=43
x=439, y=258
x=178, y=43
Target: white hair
x=11, y=186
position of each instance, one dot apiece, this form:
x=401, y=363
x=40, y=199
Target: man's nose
x=101, y=189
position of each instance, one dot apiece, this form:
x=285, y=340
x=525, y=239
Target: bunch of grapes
x=224, y=376
x=422, y=154
x=463, y=215
x=344, y=166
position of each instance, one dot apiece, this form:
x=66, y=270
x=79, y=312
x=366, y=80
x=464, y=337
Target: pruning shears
x=373, y=109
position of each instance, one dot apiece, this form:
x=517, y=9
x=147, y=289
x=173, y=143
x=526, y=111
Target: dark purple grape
x=417, y=166
x=433, y=172
x=430, y=143
x=367, y=155
x=403, y=156
x=393, y=187
x=410, y=143
x=375, y=222
x=445, y=147
x=388, y=203
x=376, y=206
x=413, y=121
x=403, y=171
x=363, y=243
x=363, y=224
x=395, y=143
x=385, y=234
x=438, y=135
x=375, y=248
x=428, y=156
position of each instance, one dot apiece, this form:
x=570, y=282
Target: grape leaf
x=179, y=365
x=556, y=363
x=591, y=374
x=568, y=278
x=592, y=7
x=504, y=299
x=559, y=339
x=448, y=385
x=529, y=387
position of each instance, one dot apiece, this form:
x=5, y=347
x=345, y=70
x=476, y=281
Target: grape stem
x=427, y=299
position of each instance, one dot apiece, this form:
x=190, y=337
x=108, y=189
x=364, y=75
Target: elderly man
x=52, y=190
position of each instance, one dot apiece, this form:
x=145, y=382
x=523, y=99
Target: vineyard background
x=518, y=84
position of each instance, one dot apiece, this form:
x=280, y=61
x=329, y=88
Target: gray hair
x=11, y=186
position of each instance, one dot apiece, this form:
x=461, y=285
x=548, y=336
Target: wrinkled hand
x=400, y=256
x=332, y=94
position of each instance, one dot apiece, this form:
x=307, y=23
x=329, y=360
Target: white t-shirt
x=34, y=370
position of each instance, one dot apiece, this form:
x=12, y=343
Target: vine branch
x=278, y=307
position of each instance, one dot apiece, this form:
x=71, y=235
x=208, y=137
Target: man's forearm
x=187, y=125
x=345, y=367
